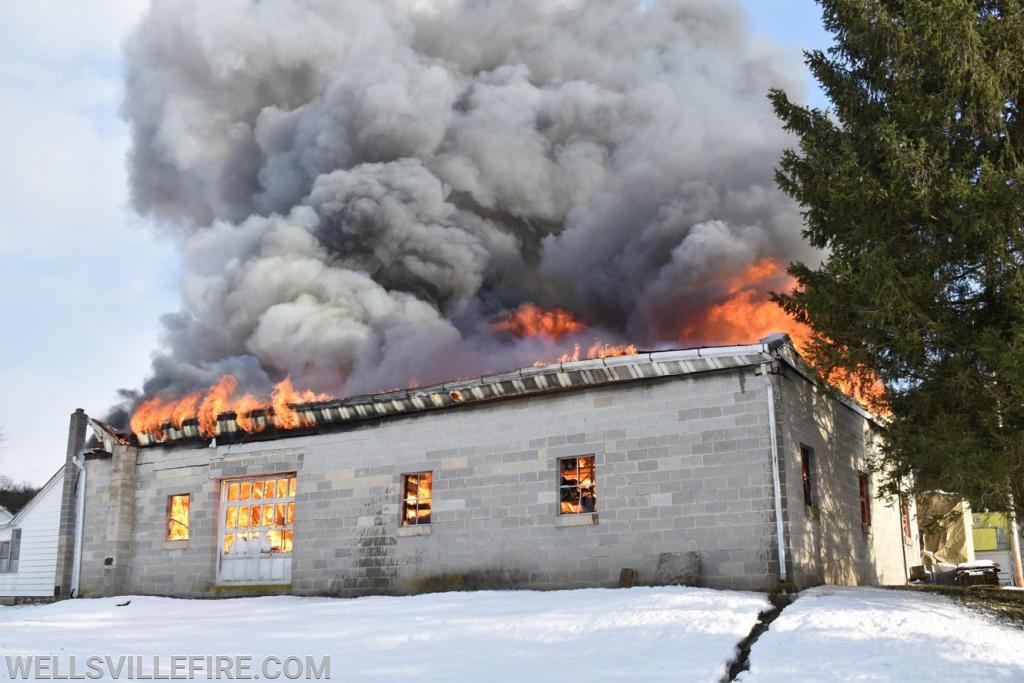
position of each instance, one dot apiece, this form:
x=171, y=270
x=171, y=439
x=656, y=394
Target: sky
x=83, y=280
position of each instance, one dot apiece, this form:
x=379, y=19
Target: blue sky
x=83, y=281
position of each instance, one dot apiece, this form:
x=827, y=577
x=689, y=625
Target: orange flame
x=748, y=314
x=530, y=320
x=155, y=414
x=284, y=394
x=244, y=408
x=596, y=350
x=216, y=401
x=177, y=518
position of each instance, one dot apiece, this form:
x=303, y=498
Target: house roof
x=13, y=521
x=556, y=377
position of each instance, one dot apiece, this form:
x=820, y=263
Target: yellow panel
x=984, y=539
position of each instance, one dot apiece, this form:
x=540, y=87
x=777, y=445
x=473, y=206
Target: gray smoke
x=363, y=186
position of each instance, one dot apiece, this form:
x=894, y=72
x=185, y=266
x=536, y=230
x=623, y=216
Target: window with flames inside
x=416, y=494
x=177, y=517
x=577, y=485
x=257, y=529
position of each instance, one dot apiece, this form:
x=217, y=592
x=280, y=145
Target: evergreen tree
x=912, y=184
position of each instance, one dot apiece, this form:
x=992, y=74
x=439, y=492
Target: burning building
x=728, y=460
x=373, y=194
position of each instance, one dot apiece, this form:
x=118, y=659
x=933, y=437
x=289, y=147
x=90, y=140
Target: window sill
x=170, y=545
x=582, y=519
x=414, y=530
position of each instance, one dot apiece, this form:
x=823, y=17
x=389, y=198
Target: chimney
x=66, y=529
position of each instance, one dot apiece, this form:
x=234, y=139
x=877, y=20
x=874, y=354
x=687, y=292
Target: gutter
x=780, y=537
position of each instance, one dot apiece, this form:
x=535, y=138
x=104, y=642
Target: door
x=256, y=522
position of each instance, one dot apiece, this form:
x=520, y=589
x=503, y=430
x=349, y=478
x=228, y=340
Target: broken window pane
x=417, y=490
x=577, y=485
x=177, y=517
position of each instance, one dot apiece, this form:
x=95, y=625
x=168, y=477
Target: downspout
x=76, y=561
x=780, y=536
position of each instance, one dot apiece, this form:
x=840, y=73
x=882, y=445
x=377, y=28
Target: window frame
x=404, y=521
x=807, y=474
x=9, y=560
x=169, y=519
x=864, y=487
x=905, y=521
x=578, y=486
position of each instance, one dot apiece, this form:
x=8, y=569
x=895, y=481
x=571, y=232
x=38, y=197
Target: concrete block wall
x=827, y=543
x=682, y=465
x=92, y=573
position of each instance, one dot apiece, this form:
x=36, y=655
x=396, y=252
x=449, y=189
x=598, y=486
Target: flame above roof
x=558, y=377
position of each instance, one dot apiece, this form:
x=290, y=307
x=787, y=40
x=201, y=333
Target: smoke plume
x=363, y=187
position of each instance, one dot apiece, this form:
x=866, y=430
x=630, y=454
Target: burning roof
x=319, y=415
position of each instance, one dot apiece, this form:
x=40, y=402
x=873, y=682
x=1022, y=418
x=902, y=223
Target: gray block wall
x=827, y=543
x=682, y=466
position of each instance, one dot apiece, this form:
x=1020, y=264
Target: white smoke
x=363, y=186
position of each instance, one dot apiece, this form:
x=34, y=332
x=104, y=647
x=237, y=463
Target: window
x=865, y=499
x=177, y=517
x=806, y=465
x=905, y=520
x=257, y=532
x=416, y=494
x=10, y=551
x=577, y=491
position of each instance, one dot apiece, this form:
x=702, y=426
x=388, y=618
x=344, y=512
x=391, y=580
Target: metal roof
x=523, y=382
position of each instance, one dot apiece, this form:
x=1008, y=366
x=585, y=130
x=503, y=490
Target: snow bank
x=870, y=634
x=640, y=634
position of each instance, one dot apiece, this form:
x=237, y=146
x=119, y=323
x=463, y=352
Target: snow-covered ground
x=641, y=634
x=870, y=634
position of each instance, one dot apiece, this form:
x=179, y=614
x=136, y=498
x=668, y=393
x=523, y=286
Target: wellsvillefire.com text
x=179, y=667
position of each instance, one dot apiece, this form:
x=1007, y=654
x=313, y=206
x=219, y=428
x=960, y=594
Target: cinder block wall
x=827, y=543
x=91, y=579
x=682, y=465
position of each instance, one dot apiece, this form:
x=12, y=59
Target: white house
x=28, y=545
